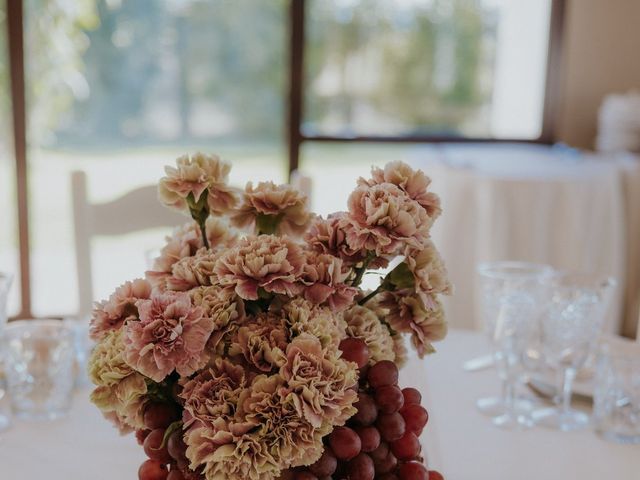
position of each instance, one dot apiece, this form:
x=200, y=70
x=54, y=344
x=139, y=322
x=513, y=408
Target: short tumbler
x=39, y=359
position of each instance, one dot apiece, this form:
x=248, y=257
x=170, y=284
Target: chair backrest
x=137, y=210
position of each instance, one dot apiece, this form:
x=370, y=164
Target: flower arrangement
x=250, y=349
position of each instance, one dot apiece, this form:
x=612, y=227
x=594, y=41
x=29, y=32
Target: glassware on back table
x=571, y=327
x=39, y=359
x=5, y=285
x=512, y=296
x=616, y=412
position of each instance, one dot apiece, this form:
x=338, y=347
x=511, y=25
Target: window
x=118, y=89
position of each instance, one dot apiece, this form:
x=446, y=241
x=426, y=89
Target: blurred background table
x=459, y=441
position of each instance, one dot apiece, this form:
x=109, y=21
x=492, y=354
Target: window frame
x=295, y=136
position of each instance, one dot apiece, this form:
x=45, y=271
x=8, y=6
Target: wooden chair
x=137, y=210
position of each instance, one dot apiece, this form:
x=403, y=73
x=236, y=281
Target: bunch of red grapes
x=162, y=442
x=381, y=440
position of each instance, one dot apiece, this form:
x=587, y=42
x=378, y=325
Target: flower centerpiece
x=250, y=350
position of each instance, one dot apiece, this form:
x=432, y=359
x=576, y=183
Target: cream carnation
x=171, y=335
x=266, y=262
x=273, y=209
x=304, y=317
x=119, y=308
x=363, y=323
x=261, y=341
x=192, y=272
x=429, y=272
x=225, y=309
x=196, y=175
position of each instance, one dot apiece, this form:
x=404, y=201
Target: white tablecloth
x=540, y=204
x=458, y=441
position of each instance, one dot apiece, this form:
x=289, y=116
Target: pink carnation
x=329, y=236
x=119, y=308
x=171, y=335
x=429, y=272
x=324, y=281
x=264, y=262
x=384, y=219
x=262, y=341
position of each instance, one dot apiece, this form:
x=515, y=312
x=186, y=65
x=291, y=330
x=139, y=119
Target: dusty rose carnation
x=384, y=219
x=414, y=182
x=364, y=323
x=171, y=335
x=261, y=341
x=324, y=280
x=280, y=206
x=329, y=236
x=120, y=391
x=429, y=272
x=185, y=242
x=303, y=317
x=119, y=308
x=224, y=308
x=407, y=313
x=192, y=272
x=263, y=262
x=197, y=175
x=319, y=382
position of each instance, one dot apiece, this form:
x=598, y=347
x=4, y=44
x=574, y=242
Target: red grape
x=355, y=350
x=152, y=470
x=411, y=396
x=141, y=435
x=159, y=415
x=416, y=417
x=304, y=475
x=387, y=476
x=176, y=446
x=326, y=465
x=387, y=464
x=367, y=410
x=345, y=443
x=382, y=373
x=389, y=398
x=175, y=474
x=407, y=447
x=369, y=438
x=361, y=468
x=435, y=475
x=381, y=452
x=391, y=426
x=152, y=446
x=413, y=471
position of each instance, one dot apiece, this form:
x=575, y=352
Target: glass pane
x=119, y=89
x=473, y=68
x=9, y=251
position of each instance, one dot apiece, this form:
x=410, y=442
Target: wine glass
x=5, y=285
x=571, y=327
x=512, y=294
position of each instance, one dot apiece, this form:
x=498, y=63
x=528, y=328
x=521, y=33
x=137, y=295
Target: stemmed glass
x=5, y=285
x=512, y=294
x=571, y=327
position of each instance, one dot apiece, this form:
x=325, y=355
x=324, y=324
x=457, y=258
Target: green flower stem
x=380, y=288
x=362, y=270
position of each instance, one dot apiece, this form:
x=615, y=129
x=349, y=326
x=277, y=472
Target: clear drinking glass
x=5, y=285
x=39, y=358
x=511, y=294
x=616, y=412
x=571, y=327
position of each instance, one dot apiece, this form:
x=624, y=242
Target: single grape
x=175, y=474
x=389, y=398
x=361, y=468
x=414, y=471
x=152, y=447
x=159, y=415
x=383, y=373
x=369, y=438
x=326, y=465
x=435, y=475
x=407, y=447
x=176, y=446
x=345, y=443
x=355, y=350
x=416, y=417
x=387, y=464
x=141, y=435
x=152, y=470
x=391, y=426
x=304, y=475
x=367, y=410
x=381, y=452
x=411, y=396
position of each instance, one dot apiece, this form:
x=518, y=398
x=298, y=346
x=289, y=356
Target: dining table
x=458, y=441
